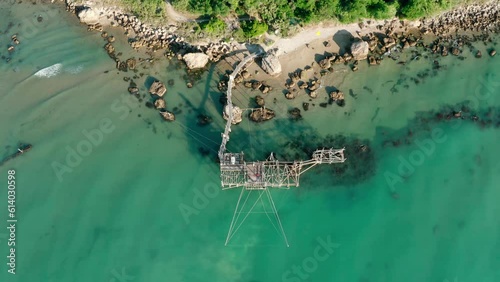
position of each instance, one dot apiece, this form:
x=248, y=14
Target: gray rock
x=168, y=116
x=262, y=114
x=359, y=50
x=160, y=104
x=195, y=60
x=271, y=65
x=158, y=88
x=88, y=16
x=237, y=114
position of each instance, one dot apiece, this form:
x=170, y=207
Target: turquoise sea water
x=129, y=208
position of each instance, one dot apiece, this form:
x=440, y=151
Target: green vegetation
x=419, y=8
x=253, y=28
x=214, y=27
x=207, y=7
x=146, y=9
x=282, y=14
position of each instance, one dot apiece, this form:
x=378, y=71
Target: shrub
x=146, y=9
x=283, y=14
x=253, y=28
x=215, y=26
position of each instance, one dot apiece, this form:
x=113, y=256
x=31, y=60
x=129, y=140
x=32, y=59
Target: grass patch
x=146, y=9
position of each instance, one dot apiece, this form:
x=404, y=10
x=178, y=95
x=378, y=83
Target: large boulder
x=271, y=64
x=88, y=16
x=195, y=60
x=158, y=88
x=237, y=114
x=359, y=50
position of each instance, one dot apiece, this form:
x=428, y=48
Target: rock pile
x=337, y=96
x=142, y=34
x=262, y=114
x=475, y=17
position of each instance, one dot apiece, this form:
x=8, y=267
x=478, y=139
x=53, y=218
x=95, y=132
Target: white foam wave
x=49, y=71
x=74, y=70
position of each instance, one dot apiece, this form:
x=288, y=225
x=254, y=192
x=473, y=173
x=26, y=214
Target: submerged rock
x=265, y=89
x=256, y=84
x=295, y=114
x=204, y=120
x=110, y=49
x=121, y=66
x=133, y=90
x=131, y=63
x=259, y=101
x=305, y=106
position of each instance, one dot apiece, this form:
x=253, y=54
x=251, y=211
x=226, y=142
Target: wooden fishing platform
x=260, y=175
x=235, y=172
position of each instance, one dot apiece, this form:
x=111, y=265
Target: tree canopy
x=281, y=14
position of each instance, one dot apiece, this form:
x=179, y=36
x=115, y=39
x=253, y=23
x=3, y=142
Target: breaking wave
x=57, y=69
x=49, y=71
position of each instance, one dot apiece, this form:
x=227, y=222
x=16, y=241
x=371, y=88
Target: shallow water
x=423, y=211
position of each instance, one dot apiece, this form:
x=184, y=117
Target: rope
x=261, y=193
x=199, y=134
x=194, y=137
x=267, y=214
x=276, y=214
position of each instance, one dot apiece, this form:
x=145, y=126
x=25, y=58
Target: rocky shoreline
x=450, y=33
x=154, y=38
x=483, y=18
